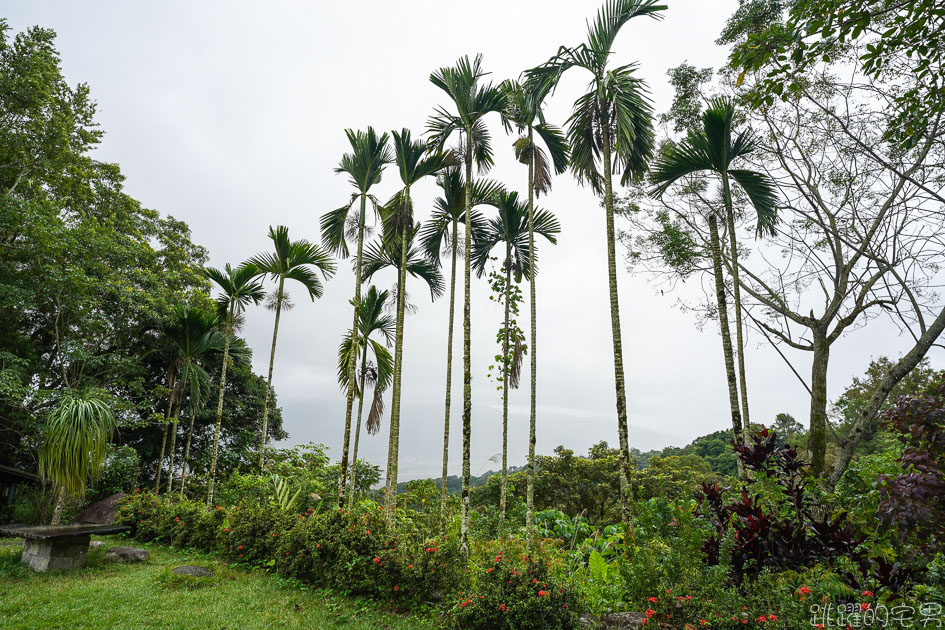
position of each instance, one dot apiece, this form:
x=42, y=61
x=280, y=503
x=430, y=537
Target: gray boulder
x=126, y=554
x=96, y=544
x=100, y=513
x=192, y=570
x=614, y=621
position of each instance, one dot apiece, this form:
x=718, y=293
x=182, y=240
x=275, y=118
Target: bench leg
x=56, y=553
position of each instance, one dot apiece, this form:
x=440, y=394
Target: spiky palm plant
x=610, y=130
x=75, y=436
x=365, y=164
x=238, y=288
x=524, y=115
x=510, y=230
x=300, y=261
x=713, y=150
x=379, y=373
x=472, y=100
x=440, y=235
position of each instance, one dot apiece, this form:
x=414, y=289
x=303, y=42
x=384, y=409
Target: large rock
x=126, y=554
x=614, y=621
x=192, y=570
x=102, y=513
x=96, y=544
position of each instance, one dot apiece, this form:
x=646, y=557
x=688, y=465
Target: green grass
x=131, y=596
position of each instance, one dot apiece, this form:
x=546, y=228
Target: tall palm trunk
x=620, y=384
x=349, y=404
x=280, y=293
x=737, y=296
x=216, y=430
x=183, y=463
x=60, y=504
x=167, y=418
x=394, y=451
x=726, y=335
x=530, y=475
x=467, y=358
x=449, y=383
x=180, y=403
x=505, y=390
x=357, y=431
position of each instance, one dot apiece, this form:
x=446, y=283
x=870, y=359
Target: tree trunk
x=505, y=391
x=349, y=404
x=167, y=417
x=60, y=504
x=449, y=383
x=157, y=480
x=180, y=404
x=272, y=358
x=737, y=296
x=726, y=335
x=183, y=463
x=357, y=432
x=398, y=369
x=817, y=437
x=467, y=357
x=219, y=421
x=532, y=417
x=619, y=383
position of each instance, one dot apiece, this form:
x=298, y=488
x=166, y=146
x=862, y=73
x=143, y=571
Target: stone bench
x=57, y=546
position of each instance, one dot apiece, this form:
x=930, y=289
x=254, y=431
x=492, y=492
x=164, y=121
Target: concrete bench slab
x=57, y=546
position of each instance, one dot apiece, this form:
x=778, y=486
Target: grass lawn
x=118, y=596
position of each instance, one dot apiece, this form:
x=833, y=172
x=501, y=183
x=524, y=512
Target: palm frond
x=763, y=196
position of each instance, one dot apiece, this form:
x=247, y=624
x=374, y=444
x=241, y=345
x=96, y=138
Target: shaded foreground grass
x=130, y=596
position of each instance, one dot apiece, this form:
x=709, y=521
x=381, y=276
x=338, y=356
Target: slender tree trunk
x=167, y=418
x=60, y=504
x=726, y=335
x=622, y=430
x=398, y=370
x=817, y=438
x=357, y=432
x=467, y=357
x=530, y=475
x=449, y=383
x=349, y=404
x=183, y=463
x=216, y=430
x=180, y=404
x=280, y=293
x=737, y=296
x=505, y=391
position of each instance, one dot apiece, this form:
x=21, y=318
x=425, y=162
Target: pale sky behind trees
x=231, y=117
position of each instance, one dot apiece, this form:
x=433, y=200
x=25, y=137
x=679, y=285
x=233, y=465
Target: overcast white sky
x=231, y=117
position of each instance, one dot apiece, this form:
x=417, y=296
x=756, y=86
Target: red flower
x=543, y=593
x=502, y=607
x=219, y=508
x=649, y=612
x=703, y=622
x=226, y=529
x=652, y=600
x=396, y=588
x=409, y=566
x=240, y=547
x=762, y=619
x=367, y=533
x=489, y=570
x=772, y=617
x=867, y=593
x=376, y=560
x=805, y=590
x=865, y=606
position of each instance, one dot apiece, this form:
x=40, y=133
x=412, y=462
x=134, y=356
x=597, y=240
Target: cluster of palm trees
x=610, y=131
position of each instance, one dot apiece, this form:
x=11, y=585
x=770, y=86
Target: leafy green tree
x=610, y=130
x=473, y=101
x=414, y=160
x=365, y=164
x=291, y=260
x=513, y=229
x=380, y=373
x=76, y=435
x=439, y=234
x=238, y=288
x=714, y=150
x=524, y=115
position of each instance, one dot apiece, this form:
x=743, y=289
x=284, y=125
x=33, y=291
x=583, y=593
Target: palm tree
x=472, y=102
x=76, y=434
x=238, y=288
x=712, y=149
x=371, y=319
x=511, y=230
x=524, y=114
x=192, y=334
x=441, y=232
x=610, y=130
x=168, y=414
x=365, y=166
x=414, y=160
x=292, y=260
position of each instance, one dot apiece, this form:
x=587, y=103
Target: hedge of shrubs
x=503, y=585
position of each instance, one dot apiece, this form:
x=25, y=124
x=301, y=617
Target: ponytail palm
x=713, y=150
x=238, y=288
x=524, y=115
x=472, y=102
x=300, y=261
x=510, y=229
x=365, y=164
x=610, y=130
x=439, y=234
x=371, y=319
x=76, y=434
